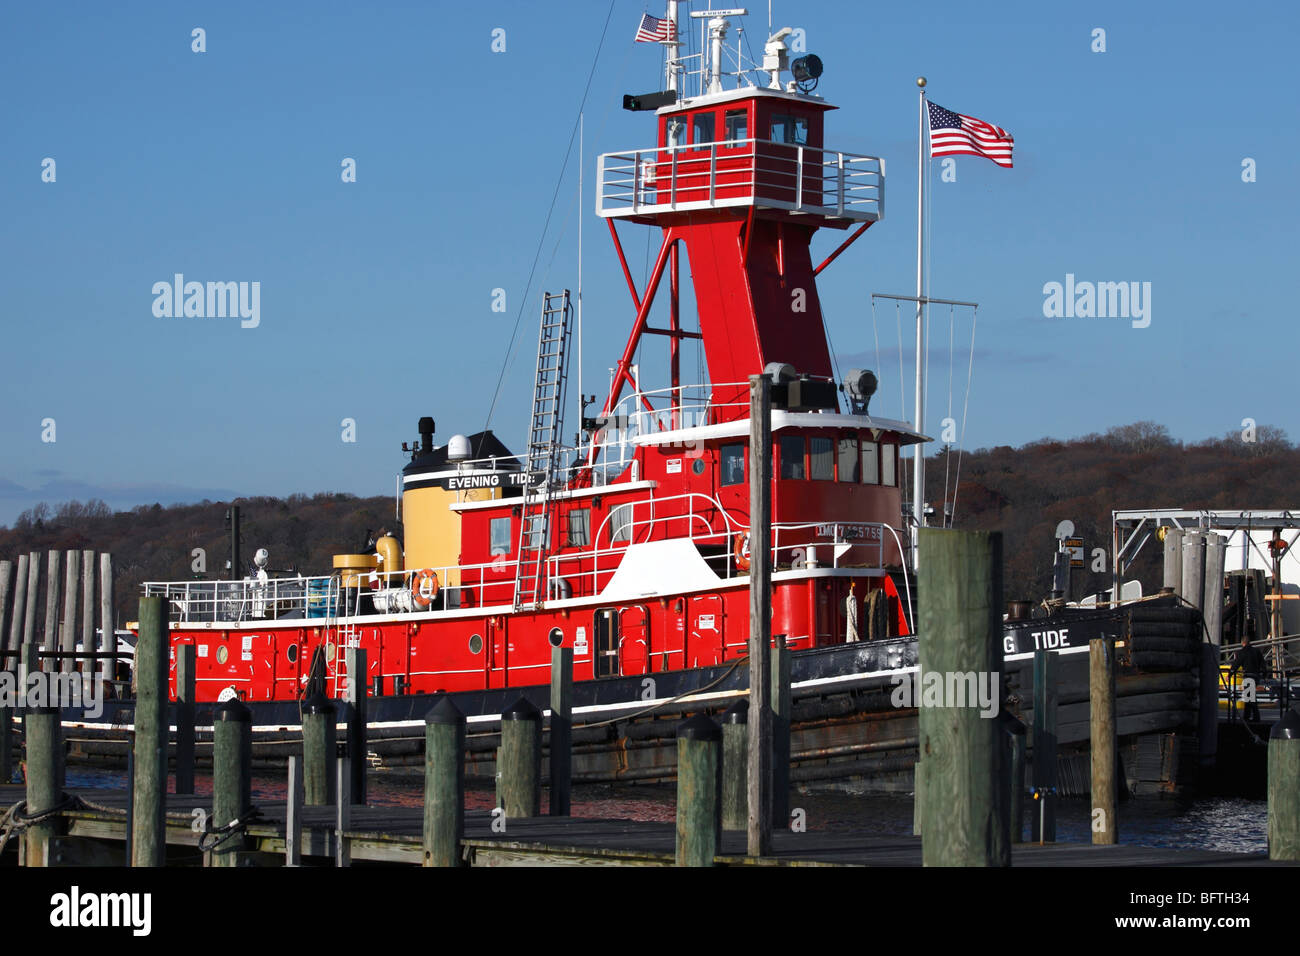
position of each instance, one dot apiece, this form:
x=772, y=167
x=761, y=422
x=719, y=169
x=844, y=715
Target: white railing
x=748, y=172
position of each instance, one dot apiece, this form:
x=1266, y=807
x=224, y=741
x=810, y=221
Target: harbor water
x=1210, y=823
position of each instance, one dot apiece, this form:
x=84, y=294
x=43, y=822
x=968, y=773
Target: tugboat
x=632, y=546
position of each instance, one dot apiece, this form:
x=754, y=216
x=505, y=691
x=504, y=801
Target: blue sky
x=376, y=295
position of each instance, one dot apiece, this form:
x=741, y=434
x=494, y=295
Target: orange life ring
x=424, y=588
x=741, y=551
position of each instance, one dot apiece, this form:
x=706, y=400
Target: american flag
x=952, y=134
x=653, y=30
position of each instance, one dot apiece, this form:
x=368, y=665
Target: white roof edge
x=781, y=419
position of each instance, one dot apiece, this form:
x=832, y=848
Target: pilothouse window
x=821, y=459
x=736, y=124
x=849, y=459
x=887, y=465
x=702, y=128
x=789, y=129
x=870, y=470
x=792, y=457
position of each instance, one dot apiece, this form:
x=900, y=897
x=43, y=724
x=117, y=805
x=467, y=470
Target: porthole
x=329, y=650
x=697, y=466
x=475, y=643
x=222, y=654
x=292, y=653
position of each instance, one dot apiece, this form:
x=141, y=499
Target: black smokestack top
x=426, y=435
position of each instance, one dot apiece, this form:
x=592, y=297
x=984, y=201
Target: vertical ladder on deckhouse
x=543, y=448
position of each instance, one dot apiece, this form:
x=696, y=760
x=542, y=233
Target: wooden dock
x=96, y=833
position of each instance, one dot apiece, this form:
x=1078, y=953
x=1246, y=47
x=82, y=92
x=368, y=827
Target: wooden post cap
x=1288, y=728
x=445, y=712
x=699, y=727
x=317, y=704
x=737, y=713
x=522, y=709
x=232, y=710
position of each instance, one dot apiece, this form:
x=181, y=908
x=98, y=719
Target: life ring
x=741, y=551
x=424, y=588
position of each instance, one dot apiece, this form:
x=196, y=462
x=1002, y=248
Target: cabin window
x=789, y=129
x=499, y=536
x=579, y=533
x=821, y=459
x=620, y=523
x=702, y=128
x=887, y=465
x=792, y=458
x=870, y=465
x=731, y=460
x=736, y=124
x=848, y=459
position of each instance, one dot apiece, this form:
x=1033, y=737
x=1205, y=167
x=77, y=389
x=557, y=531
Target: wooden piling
x=185, y=678
x=343, y=814
x=87, y=609
x=964, y=802
x=320, y=751
x=521, y=760
x=107, y=623
x=1173, y=559
x=149, y=833
x=735, y=751
x=1216, y=552
x=1016, y=745
x=20, y=606
x=51, y=608
x=6, y=595
x=232, y=758
x=781, y=704
x=44, y=754
x=1101, y=698
x=68, y=629
x=33, y=597
x=759, y=786
x=444, y=783
x=1284, y=788
x=356, y=727
x=1042, y=814
x=561, y=752
x=293, y=813
x=699, y=791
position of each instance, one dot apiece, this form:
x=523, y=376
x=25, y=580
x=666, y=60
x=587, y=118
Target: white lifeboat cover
x=660, y=567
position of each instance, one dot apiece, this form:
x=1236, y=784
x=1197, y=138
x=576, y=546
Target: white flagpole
x=582, y=161
x=918, y=462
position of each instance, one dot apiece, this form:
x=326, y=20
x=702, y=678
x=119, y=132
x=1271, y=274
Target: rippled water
x=1226, y=824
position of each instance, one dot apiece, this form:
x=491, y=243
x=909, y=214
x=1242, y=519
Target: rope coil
x=225, y=833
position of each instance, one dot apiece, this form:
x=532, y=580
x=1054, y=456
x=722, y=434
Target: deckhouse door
x=704, y=643
x=605, y=628
x=634, y=640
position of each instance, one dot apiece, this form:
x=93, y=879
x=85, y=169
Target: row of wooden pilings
x=20, y=602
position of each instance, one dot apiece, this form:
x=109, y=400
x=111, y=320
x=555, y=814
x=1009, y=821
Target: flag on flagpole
x=653, y=30
x=952, y=134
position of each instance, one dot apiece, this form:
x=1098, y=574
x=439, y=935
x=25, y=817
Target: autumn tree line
x=1023, y=492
